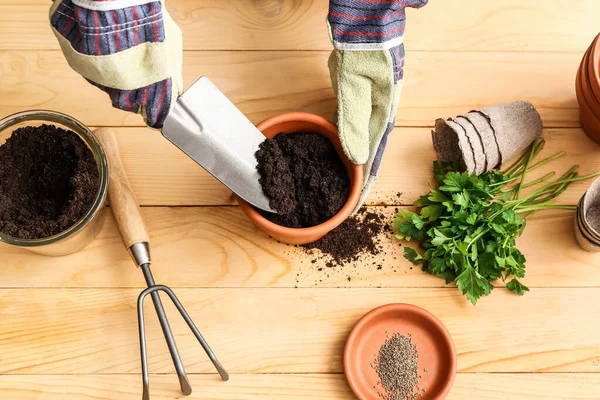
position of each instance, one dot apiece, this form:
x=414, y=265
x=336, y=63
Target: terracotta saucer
x=437, y=354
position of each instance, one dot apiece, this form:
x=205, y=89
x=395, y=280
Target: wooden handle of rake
x=123, y=203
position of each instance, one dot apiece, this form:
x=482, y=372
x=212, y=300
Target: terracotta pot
x=295, y=122
x=592, y=67
x=589, y=120
x=586, y=86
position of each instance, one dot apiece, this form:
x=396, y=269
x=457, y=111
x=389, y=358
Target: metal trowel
x=209, y=128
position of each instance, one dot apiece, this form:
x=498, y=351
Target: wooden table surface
x=68, y=325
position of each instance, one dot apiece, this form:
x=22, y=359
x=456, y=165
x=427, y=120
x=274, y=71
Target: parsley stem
x=503, y=182
x=513, y=178
x=571, y=173
x=540, y=180
x=476, y=238
x=533, y=183
x=534, y=150
x=561, y=181
x=525, y=166
x=538, y=199
x=514, y=172
x=546, y=199
x=547, y=160
x=545, y=207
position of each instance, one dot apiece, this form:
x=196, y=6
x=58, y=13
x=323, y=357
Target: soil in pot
x=304, y=178
x=48, y=181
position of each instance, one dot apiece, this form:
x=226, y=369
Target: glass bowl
x=85, y=230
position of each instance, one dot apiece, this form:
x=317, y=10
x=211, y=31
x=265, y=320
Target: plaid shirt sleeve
x=108, y=27
x=371, y=25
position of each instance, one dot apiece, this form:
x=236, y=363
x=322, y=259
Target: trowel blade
x=209, y=128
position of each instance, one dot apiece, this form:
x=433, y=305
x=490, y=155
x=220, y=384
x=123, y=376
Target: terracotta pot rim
x=366, y=319
x=356, y=175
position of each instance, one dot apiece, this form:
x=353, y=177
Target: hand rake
x=129, y=220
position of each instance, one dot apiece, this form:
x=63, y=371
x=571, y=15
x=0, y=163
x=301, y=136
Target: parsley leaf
x=473, y=285
x=432, y=212
x=517, y=287
x=412, y=255
x=455, y=182
x=461, y=199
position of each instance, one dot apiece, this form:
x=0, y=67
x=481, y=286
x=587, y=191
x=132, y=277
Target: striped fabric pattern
x=154, y=98
x=398, y=60
x=101, y=33
x=372, y=22
x=381, y=148
x=369, y=21
x=108, y=32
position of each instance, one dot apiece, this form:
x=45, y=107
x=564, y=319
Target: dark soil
x=48, y=181
x=356, y=236
x=362, y=245
x=304, y=178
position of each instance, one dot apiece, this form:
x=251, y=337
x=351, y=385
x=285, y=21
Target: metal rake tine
x=186, y=388
x=220, y=369
x=142, y=333
x=143, y=351
x=184, y=383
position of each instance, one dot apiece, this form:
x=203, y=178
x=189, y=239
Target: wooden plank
x=529, y=386
x=94, y=331
x=162, y=175
x=165, y=387
x=438, y=84
x=219, y=247
x=288, y=387
x=540, y=25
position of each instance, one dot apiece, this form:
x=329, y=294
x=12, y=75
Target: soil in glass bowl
x=49, y=180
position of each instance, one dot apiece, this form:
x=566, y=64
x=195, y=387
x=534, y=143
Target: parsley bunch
x=467, y=224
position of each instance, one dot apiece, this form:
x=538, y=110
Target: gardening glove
x=366, y=70
x=131, y=49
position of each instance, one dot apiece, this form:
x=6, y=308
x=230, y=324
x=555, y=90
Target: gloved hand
x=366, y=69
x=131, y=49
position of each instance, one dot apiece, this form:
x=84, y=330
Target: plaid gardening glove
x=367, y=74
x=131, y=49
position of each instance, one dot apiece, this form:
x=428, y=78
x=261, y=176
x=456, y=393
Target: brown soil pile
x=358, y=235
x=304, y=178
x=48, y=181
